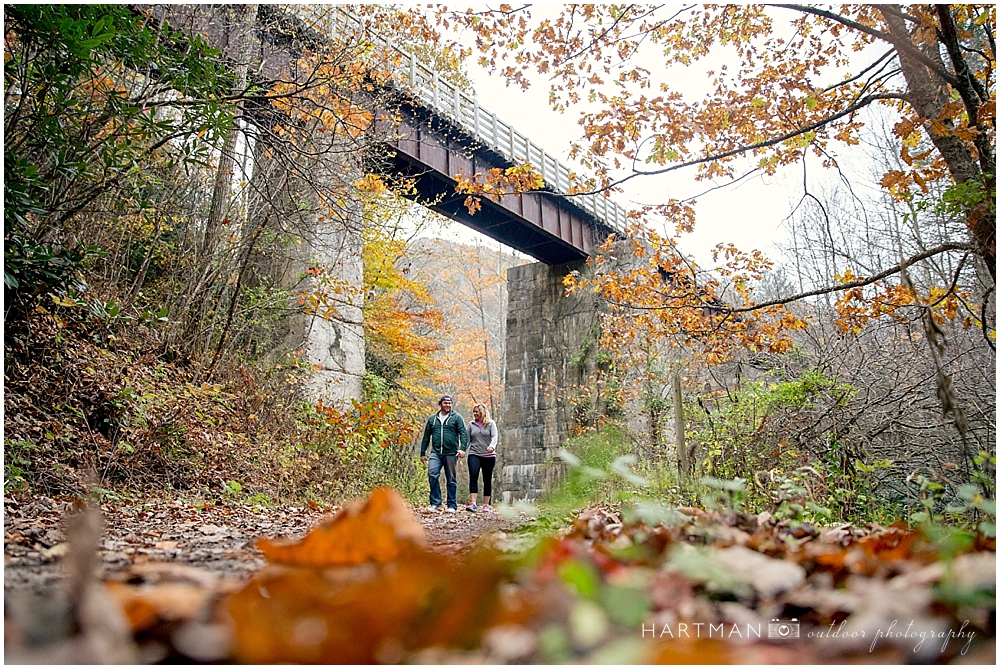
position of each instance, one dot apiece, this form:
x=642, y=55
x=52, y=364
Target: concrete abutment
x=551, y=345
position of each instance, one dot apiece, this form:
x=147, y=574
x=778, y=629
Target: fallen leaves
x=712, y=579
x=369, y=613
x=363, y=588
x=767, y=576
x=377, y=530
x=632, y=585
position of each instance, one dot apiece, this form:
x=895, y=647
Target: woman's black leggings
x=475, y=463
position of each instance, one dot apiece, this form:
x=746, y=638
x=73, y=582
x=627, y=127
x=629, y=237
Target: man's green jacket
x=445, y=439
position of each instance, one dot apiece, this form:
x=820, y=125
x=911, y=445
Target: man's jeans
x=450, y=463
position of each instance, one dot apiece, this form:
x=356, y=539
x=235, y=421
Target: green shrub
x=598, y=469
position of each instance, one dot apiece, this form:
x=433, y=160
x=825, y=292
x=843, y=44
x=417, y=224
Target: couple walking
x=449, y=440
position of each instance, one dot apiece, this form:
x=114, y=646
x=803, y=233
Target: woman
x=482, y=455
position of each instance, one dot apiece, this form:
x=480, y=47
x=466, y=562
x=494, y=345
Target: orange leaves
x=376, y=613
x=373, y=531
x=318, y=95
x=858, y=305
x=619, y=585
x=168, y=602
x=473, y=204
x=400, y=317
x=794, y=81
x=658, y=295
x=879, y=554
x=367, y=424
x=362, y=589
x=896, y=183
x=497, y=183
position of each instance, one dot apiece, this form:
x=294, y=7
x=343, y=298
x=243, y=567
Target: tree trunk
x=928, y=93
x=682, y=460
x=224, y=174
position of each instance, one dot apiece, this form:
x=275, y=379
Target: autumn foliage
x=793, y=82
x=377, y=530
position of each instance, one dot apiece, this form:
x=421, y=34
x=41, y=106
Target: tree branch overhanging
x=857, y=283
x=898, y=43
x=847, y=111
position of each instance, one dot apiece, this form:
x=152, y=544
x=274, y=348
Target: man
x=445, y=434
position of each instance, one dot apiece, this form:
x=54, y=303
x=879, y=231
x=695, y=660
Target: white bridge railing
x=445, y=98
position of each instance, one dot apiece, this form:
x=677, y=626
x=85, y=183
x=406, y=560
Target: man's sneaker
x=472, y=507
x=487, y=508
x=452, y=509
x=435, y=508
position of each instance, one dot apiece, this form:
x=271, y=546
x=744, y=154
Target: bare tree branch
x=900, y=45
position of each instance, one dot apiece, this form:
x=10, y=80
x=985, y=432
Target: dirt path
x=217, y=538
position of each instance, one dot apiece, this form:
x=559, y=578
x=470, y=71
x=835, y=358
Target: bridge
x=444, y=132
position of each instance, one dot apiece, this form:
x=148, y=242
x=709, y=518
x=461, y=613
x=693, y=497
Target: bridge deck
x=548, y=224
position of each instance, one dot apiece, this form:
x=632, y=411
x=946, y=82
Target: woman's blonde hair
x=486, y=413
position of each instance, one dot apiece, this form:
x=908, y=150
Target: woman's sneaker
x=472, y=507
x=487, y=508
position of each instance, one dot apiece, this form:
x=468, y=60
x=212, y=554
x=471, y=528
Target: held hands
x=461, y=454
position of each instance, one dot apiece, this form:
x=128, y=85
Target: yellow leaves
x=846, y=277
x=65, y=301
x=371, y=184
x=497, y=182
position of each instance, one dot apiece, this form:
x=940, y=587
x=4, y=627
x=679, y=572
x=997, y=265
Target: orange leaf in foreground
x=376, y=530
x=362, y=588
x=368, y=613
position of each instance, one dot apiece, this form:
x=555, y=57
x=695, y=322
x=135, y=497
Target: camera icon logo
x=783, y=629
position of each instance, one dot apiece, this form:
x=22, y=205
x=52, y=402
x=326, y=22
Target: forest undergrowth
x=98, y=407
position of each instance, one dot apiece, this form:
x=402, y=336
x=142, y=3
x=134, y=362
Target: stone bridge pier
x=551, y=350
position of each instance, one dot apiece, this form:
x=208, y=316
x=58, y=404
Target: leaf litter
x=379, y=583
